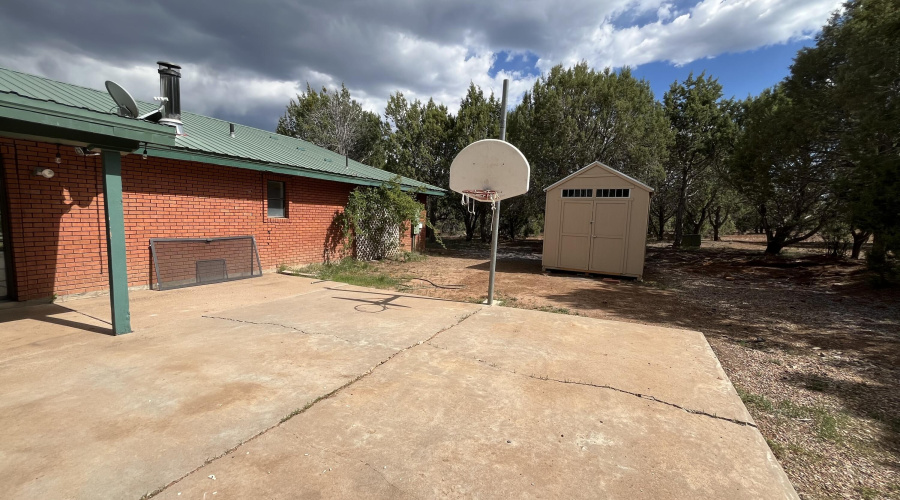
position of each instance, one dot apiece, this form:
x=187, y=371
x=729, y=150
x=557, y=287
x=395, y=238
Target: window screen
x=577, y=193
x=613, y=193
x=276, y=199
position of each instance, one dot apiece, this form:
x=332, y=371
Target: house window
x=276, y=199
x=577, y=193
x=613, y=193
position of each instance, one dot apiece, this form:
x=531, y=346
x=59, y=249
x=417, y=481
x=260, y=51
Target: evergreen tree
x=783, y=170
x=335, y=121
x=421, y=146
x=573, y=117
x=850, y=82
x=703, y=127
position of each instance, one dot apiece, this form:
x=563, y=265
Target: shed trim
x=607, y=168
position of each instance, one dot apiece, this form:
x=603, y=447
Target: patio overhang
x=113, y=136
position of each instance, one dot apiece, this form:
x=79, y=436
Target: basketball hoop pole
x=495, y=221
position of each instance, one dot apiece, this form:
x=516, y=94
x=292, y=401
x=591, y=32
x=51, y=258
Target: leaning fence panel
x=182, y=262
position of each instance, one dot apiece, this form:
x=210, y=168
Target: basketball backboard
x=490, y=165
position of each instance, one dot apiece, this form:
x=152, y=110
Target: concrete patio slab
x=434, y=424
x=676, y=366
x=395, y=394
x=359, y=316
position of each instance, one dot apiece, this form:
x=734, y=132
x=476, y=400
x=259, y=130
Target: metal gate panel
x=182, y=262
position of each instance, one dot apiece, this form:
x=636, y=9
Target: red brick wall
x=58, y=229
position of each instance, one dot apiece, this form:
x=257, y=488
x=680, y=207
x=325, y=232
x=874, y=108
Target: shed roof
x=605, y=167
x=207, y=139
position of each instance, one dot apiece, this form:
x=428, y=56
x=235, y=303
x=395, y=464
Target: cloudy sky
x=243, y=61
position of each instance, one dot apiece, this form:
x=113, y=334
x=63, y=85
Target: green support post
x=115, y=241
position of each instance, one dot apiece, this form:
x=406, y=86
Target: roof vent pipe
x=231, y=126
x=170, y=88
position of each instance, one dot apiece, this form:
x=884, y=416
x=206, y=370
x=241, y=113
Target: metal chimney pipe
x=170, y=88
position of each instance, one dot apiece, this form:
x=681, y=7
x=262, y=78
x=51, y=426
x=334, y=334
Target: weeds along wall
x=58, y=232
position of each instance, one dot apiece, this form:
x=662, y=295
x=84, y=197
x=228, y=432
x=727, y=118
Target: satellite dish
x=127, y=106
x=490, y=170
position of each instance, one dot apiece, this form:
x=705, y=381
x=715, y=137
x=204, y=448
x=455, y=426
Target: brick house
x=119, y=181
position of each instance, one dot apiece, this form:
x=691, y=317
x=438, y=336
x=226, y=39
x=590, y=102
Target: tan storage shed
x=596, y=221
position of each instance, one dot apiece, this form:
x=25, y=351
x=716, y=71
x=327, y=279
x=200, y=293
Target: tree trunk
x=485, y=232
x=775, y=242
x=878, y=256
x=717, y=221
x=859, y=238
x=698, y=226
x=469, y=220
x=662, y=226
x=679, y=211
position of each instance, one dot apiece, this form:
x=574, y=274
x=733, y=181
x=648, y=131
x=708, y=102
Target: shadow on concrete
x=388, y=297
x=48, y=313
x=376, y=305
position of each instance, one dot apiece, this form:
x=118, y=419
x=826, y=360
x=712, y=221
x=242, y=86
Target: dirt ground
x=811, y=347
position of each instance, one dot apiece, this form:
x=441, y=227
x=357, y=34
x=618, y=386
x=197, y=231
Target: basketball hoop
x=498, y=170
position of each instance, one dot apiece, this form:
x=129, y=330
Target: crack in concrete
x=292, y=328
x=308, y=405
x=647, y=397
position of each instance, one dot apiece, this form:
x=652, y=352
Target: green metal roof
x=207, y=139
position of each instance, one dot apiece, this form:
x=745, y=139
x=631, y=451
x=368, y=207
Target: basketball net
x=470, y=196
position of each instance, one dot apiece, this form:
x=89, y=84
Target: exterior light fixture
x=144, y=154
x=45, y=173
x=85, y=152
x=58, y=159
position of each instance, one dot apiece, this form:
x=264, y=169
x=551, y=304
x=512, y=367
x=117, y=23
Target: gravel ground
x=811, y=347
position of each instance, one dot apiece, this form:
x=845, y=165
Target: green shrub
x=375, y=214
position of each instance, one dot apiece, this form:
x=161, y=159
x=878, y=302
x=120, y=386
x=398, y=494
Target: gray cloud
x=244, y=60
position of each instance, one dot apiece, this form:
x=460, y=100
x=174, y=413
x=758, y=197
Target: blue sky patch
x=740, y=74
x=632, y=17
x=523, y=62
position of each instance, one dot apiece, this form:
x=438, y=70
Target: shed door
x=575, y=235
x=608, y=249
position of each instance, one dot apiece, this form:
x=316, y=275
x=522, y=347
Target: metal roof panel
x=210, y=136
